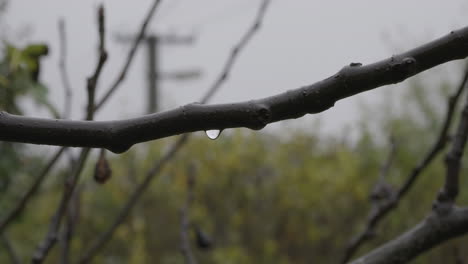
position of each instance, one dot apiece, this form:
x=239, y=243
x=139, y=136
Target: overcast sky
x=301, y=42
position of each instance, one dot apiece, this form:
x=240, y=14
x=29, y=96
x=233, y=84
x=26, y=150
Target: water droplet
x=213, y=134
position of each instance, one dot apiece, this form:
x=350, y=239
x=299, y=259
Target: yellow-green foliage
x=263, y=199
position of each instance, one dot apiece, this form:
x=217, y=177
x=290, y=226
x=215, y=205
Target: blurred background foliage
x=261, y=197
x=291, y=196
x=19, y=80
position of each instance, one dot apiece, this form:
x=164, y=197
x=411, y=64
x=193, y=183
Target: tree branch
x=63, y=69
x=102, y=239
x=381, y=193
x=72, y=218
x=130, y=56
x=21, y=205
x=36, y=184
x=70, y=183
x=449, y=192
x=431, y=232
x=379, y=212
x=236, y=50
x=51, y=237
x=119, y=136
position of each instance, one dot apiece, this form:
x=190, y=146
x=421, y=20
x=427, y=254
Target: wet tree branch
x=379, y=211
x=430, y=232
x=102, y=239
x=445, y=221
x=21, y=205
x=119, y=136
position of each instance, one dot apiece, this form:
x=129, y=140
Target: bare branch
x=67, y=102
x=70, y=224
x=21, y=205
x=52, y=235
x=119, y=136
x=380, y=194
x=235, y=51
x=92, y=81
x=430, y=232
x=185, y=218
x=71, y=182
x=384, y=170
x=130, y=57
x=449, y=192
x=378, y=213
x=101, y=241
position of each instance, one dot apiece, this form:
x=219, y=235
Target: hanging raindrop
x=213, y=134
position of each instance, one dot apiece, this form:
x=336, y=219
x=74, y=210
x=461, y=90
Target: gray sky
x=301, y=42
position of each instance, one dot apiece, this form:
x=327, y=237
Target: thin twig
x=130, y=57
x=21, y=205
x=235, y=51
x=70, y=224
x=449, y=192
x=382, y=189
x=67, y=102
x=36, y=184
x=54, y=227
x=71, y=182
x=185, y=218
x=67, y=106
x=378, y=213
x=101, y=240
x=381, y=193
x=15, y=259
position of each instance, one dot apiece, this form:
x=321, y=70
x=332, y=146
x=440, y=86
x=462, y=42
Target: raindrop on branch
x=213, y=134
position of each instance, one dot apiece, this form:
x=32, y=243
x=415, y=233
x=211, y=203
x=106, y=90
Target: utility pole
x=152, y=68
x=154, y=75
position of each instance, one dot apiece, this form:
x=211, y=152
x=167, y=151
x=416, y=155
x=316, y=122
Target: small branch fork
x=446, y=221
x=384, y=207
x=53, y=160
x=102, y=239
x=121, y=77
x=449, y=192
x=51, y=238
x=119, y=136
